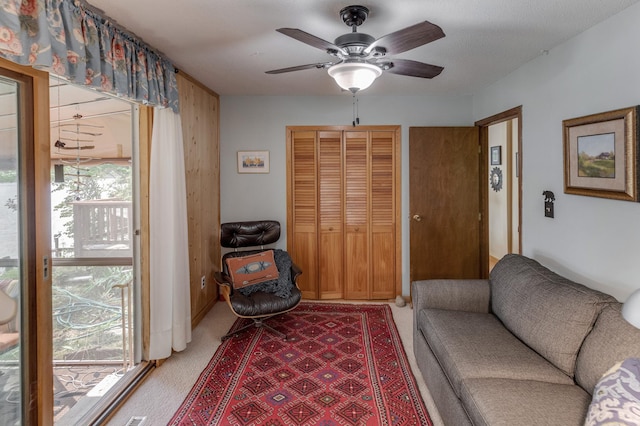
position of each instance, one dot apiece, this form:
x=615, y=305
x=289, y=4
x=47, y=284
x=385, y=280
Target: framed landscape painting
x=601, y=155
x=253, y=161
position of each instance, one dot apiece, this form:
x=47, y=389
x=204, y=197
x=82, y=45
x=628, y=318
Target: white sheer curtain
x=169, y=256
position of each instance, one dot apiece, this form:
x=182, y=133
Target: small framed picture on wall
x=253, y=161
x=496, y=155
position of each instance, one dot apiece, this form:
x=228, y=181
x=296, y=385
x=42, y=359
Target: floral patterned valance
x=72, y=40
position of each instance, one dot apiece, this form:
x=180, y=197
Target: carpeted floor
x=162, y=393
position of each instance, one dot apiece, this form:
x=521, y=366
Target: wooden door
x=356, y=215
x=330, y=247
x=343, y=207
x=302, y=205
x=444, y=202
x=383, y=214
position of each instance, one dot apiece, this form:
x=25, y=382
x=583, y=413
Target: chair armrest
x=221, y=278
x=225, y=283
x=295, y=272
x=451, y=294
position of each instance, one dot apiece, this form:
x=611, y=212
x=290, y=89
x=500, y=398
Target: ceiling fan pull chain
x=353, y=107
x=356, y=118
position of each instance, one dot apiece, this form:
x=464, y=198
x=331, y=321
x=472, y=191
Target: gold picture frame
x=253, y=161
x=601, y=155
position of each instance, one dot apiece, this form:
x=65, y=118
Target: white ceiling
x=229, y=44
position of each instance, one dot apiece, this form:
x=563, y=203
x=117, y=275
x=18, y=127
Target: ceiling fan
x=360, y=58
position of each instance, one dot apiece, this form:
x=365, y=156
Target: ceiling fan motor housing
x=354, y=15
x=354, y=43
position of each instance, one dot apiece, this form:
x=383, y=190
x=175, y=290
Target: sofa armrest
x=451, y=294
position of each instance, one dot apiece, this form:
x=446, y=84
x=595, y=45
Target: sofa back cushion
x=549, y=313
x=611, y=341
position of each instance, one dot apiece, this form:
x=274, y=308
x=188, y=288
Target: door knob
x=417, y=217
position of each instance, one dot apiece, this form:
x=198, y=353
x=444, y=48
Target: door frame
x=36, y=328
x=484, y=125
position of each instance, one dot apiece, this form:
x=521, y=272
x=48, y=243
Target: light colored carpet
x=161, y=394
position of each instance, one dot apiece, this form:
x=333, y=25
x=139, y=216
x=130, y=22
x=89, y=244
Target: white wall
x=259, y=123
x=591, y=240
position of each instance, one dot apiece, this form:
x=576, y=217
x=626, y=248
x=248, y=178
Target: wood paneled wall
x=200, y=113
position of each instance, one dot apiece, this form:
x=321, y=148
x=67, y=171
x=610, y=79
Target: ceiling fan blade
x=300, y=68
x=407, y=38
x=311, y=40
x=414, y=68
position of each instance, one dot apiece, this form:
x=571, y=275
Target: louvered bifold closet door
x=383, y=215
x=356, y=205
x=303, y=210
x=343, y=200
x=331, y=248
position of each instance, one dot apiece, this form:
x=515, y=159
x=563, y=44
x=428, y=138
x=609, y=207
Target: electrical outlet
x=203, y=281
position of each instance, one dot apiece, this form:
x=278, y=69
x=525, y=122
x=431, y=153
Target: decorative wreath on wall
x=496, y=179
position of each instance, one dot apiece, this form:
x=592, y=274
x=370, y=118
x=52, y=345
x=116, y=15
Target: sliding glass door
x=87, y=268
x=17, y=266
x=11, y=276
x=93, y=237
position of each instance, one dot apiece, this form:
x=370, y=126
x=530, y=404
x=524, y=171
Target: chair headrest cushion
x=249, y=234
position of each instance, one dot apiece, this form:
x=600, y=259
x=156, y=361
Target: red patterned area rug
x=342, y=364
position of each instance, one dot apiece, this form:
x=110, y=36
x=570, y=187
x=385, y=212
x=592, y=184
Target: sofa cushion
x=548, y=312
x=472, y=345
x=523, y=402
x=611, y=341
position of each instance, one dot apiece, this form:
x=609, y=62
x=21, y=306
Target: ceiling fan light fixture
x=354, y=76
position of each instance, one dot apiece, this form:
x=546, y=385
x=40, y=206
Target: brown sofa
x=525, y=347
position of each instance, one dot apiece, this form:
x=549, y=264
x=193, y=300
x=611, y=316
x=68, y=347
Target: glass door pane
x=92, y=221
x=11, y=384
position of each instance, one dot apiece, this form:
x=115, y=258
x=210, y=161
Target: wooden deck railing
x=102, y=228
